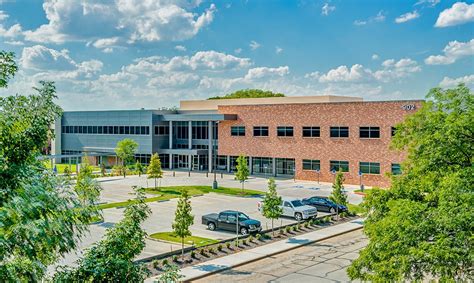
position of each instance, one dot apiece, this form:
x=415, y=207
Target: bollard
x=222, y=175
x=174, y=173
x=207, y=174
x=189, y=173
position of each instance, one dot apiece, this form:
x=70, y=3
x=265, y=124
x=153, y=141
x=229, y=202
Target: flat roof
x=186, y=105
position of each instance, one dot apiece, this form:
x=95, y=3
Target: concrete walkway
x=233, y=260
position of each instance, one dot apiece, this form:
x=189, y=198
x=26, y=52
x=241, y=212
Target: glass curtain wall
x=285, y=166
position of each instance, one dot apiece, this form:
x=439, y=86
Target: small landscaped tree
x=338, y=196
x=272, y=203
x=170, y=274
x=125, y=150
x=102, y=169
x=242, y=173
x=67, y=172
x=183, y=219
x=139, y=168
x=154, y=168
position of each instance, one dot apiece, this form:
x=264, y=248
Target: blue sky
x=117, y=54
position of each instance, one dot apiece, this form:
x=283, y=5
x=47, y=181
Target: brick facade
x=383, y=114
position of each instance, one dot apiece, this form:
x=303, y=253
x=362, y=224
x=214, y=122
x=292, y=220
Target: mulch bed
x=210, y=252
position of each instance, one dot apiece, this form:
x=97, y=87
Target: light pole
x=317, y=171
x=360, y=182
x=214, y=150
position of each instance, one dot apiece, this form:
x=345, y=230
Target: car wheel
x=244, y=231
x=332, y=210
x=211, y=226
x=298, y=216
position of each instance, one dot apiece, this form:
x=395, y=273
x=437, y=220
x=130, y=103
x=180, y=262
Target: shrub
x=155, y=263
x=327, y=219
x=298, y=226
x=293, y=228
x=165, y=262
x=251, y=239
x=258, y=236
x=219, y=247
x=306, y=224
x=227, y=245
x=287, y=229
x=193, y=254
x=266, y=236
x=175, y=258
x=202, y=252
x=246, y=242
x=212, y=250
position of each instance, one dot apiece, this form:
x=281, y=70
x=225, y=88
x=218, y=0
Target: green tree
x=248, y=93
x=125, y=150
x=40, y=216
x=170, y=274
x=139, y=168
x=272, y=203
x=67, y=172
x=337, y=195
x=183, y=219
x=112, y=258
x=102, y=169
x=422, y=227
x=154, y=168
x=87, y=188
x=242, y=173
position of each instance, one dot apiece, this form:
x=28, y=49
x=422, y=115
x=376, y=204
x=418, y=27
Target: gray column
x=210, y=146
x=250, y=165
x=274, y=166
x=190, y=162
x=171, y=161
x=171, y=135
x=228, y=163
x=190, y=135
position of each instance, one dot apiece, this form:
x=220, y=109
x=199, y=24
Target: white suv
x=293, y=207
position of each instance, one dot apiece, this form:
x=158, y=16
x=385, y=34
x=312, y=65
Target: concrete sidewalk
x=233, y=260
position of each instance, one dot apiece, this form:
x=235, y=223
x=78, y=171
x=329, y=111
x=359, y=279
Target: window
x=284, y=131
x=162, y=130
x=394, y=131
x=335, y=165
x=339, y=132
x=262, y=165
x=99, y=129
x=127, y=130
x=121, y=130
x=237, y=131
x=311, y=132
x=311, y=164
x=94, y=129
x=369, y=132
x=396, y=169
x=369, y=167
x=260, y=131
x=200, y=130
x=181, y=130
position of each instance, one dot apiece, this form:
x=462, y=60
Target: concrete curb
x=262, y=256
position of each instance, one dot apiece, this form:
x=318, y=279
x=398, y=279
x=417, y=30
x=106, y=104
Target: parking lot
x=117, y=189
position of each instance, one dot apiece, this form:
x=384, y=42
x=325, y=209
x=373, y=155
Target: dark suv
x=324, y=204
x=225, y=220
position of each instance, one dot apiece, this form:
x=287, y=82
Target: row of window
x=310, y=131
x=107, y=130
x=336, y=165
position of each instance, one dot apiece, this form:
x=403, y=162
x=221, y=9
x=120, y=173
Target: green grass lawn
x=357, y=209
x=166, y=193
x=60, y=167
x=170, y=237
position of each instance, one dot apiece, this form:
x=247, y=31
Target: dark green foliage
x=249, y=93
x=112, y=258
x=125, y=150
x=40, y=216
x=423, y=226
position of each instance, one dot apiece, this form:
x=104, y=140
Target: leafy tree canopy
x=112, y=258
x=243, y=172
x=41, y=217
x=272, y=202
x=423, y=226
x=126, y=149
x=249, y=93
x=337, y=195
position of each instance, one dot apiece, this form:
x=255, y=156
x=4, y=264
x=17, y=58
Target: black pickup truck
x=226, y=220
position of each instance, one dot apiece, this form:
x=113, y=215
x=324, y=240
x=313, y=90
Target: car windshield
x=296, y=203
x=243, y=217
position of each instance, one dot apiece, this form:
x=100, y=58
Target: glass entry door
x=285, y=166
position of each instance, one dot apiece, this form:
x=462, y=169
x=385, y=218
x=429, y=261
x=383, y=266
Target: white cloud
x=3, y=15
x=105, y=42
x=238, y=50
x=452, y=52
x=391, y=70
x=380, y=17
x=180, y=48
x=459, y=13
x=343, y=74
x=130, y=20
x=407, y=17
x=254, y=45
x=430, y=3
x=448, y=82
x=46, y=63
x=327, y=9
x=375, y=57
x=11, y=32
x=313, y=75
x=265, y=72
x=278, y=50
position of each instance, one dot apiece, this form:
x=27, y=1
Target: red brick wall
x=352, y=149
